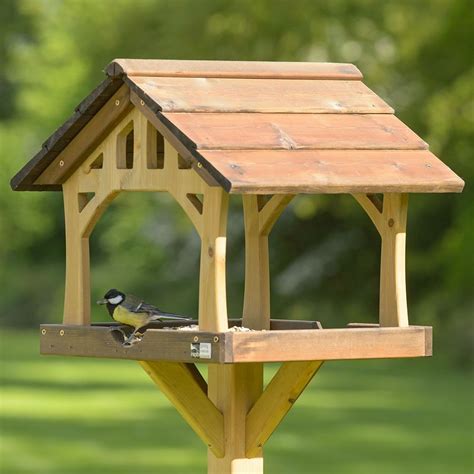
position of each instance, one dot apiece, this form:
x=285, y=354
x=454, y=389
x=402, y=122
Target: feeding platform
x=287, y=340
x=202, y=130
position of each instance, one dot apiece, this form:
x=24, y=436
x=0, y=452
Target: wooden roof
x=263, y=127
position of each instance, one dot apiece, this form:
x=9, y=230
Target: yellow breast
x=137, y=320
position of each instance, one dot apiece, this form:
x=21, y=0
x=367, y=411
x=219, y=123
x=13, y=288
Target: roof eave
x=58, y=140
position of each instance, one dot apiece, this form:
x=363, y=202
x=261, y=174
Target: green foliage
x=415, y=54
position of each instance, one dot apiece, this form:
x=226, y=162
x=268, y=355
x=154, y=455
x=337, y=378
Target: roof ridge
x=233, y=69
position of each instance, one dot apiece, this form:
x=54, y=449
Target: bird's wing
x=134, y=304
x=137, y=305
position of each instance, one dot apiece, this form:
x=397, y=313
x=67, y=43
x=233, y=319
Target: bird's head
x=112, y=297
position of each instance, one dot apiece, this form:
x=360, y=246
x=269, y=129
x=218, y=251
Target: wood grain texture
x=232, y=69
x=276, y=401
x=178, y=382
x=179, y=94
x=333, y=171
x=393, y=310
x=252, y=131
x=234, y=389
x=237, y=347
x=256, y=307
x=212, y=276
x=328, y=344
x=104, y=341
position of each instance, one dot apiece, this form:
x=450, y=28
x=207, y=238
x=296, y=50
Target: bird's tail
x=169, y=317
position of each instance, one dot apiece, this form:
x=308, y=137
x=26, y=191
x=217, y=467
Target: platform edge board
x=330, y=344
x=99, y=341
x=241, y=347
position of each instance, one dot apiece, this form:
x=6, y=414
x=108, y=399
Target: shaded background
x=324, y=251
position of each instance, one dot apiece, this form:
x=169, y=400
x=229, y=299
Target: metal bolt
x=199, y=165
x=61, y=163
x=391, y=222
x=195, y=339
x=216, y=339
x=117, y=102
x=61, y=333
x=142, y=102
x=43, y=331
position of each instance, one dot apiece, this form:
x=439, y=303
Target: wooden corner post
x=389, y=215
x=393, y=309
x=77, y=285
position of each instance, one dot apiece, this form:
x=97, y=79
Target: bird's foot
x=132, y=340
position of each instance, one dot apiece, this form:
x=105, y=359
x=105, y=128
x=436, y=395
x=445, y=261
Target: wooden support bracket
x=187, y=391
x=276, y=400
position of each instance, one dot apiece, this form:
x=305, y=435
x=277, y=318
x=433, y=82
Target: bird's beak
x=102, y=302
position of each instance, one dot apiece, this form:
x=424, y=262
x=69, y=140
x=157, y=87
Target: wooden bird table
x=201, y=130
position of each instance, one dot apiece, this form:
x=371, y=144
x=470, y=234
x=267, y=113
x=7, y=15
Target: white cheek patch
x=116, y=300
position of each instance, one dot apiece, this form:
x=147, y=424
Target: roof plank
x=184, y=94
x=232, y=69
x=207, y=131
x=333, y=171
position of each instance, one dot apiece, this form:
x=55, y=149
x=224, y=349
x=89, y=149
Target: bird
x=132, y=311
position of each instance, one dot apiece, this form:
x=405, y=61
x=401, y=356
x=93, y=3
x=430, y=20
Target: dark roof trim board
x=24, y=179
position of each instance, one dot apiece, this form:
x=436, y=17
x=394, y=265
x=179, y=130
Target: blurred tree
x=53, y=52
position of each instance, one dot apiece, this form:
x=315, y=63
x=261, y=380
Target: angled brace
x=276, y=401
x=187, y=390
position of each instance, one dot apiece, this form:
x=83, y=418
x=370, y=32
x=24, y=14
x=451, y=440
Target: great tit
x=129, y=310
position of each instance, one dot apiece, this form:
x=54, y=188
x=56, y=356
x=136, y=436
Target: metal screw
x=216, y=339
x=195, y=339
x=199, y=165
x=43, y=331
x=61, y=333
x=391, y=222
x=142, y=102
x=117, y=102
x=61, y=163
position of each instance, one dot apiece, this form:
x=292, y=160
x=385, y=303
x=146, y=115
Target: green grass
x=71, y=415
